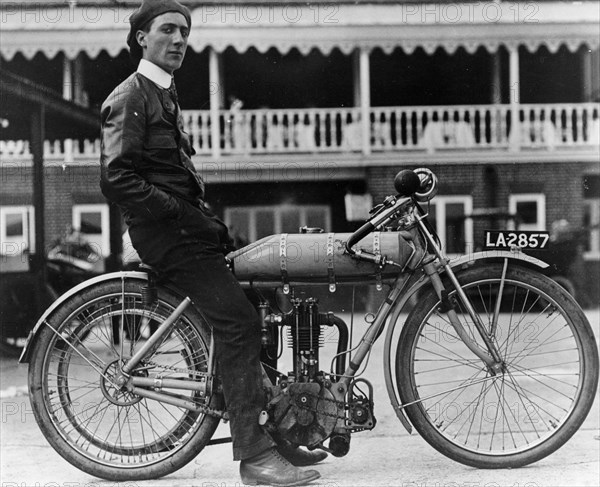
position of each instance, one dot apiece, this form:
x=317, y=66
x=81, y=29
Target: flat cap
x=148, y=10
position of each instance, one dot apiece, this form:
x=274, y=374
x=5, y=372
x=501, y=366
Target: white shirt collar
x=154, y=73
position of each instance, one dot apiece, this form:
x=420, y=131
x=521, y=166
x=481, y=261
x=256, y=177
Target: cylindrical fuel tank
x=321, y=257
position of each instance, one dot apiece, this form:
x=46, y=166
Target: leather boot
x=270, y=468
x=299, y=457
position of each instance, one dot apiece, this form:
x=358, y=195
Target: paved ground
x=386, y=456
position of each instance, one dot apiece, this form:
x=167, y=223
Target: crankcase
x=306, y=413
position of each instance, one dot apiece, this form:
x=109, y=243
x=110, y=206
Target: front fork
x=491, y=357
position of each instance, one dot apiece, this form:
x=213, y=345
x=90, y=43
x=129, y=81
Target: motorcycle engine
x=305, y=413
x=302, y=410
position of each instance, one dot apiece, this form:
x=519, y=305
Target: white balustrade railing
x=428, y=128
x=328, y=130
x=67, y=149
x=284, y=130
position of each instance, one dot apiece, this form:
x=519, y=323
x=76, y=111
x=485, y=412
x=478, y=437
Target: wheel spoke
x=531, y=396
x=96, y=417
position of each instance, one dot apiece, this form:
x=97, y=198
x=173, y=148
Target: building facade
x=301, y=114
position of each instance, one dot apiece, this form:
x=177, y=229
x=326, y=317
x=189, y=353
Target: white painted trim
x=440, y=202
x=27, y=240
x=539, y=199
x=594, y=205
x=104, y=236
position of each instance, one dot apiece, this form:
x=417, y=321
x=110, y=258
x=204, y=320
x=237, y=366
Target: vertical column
x=215, y=88
x=78, y=91
x=595, y=74
x=67, y=78
x=221, y=87
x=496, y=98
x=496, y=81
x=36, y=144
x=68, y=92
x=356, y=77
x=515, y=98
x=589, y=73
x=365, y=100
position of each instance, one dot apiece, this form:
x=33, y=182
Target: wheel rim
x=111, y=427
x=518, y=409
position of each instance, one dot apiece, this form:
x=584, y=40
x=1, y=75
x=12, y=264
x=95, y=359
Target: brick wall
x=491, y=185
x=64, y=187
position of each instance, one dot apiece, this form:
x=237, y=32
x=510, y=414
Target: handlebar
x=358, y=235
x=417, y=185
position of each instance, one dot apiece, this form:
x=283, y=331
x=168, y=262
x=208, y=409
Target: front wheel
x=103, y=430
x=525, y=412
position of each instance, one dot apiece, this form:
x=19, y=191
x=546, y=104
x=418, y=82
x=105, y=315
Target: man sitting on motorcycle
x=147, y=171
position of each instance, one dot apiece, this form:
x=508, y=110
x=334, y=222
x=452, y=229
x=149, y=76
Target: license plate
x=509, y=239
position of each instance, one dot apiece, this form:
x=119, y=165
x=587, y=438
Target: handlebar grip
x=407, y=182
x=357, y=236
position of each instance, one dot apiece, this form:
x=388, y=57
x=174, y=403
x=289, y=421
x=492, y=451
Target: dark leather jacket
x=145, y=163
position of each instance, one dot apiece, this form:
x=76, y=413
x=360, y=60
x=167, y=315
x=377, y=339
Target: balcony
x=469, y=133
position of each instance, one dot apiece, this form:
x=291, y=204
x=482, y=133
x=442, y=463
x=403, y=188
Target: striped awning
x=92, y=28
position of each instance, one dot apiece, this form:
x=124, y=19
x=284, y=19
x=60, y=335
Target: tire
x=565, y=283
x=522, y=414
x=109, y=433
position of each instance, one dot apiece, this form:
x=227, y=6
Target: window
x=92, y=222
x=254, y=222
x=530, y=210
x=17, y=230
x=447, y=215
x=591, y=216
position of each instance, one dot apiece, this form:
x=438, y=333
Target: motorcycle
x=493, y=363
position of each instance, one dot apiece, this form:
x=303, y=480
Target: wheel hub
x=113, y=385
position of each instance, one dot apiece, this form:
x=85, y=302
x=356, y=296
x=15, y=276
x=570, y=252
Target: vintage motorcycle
x=493, y=363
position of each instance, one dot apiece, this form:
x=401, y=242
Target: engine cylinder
x=305, y=337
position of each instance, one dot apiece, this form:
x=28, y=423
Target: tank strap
x=283, y=262
x=377, y=251
x=330, y=260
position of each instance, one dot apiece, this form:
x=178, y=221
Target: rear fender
x=393, y=332
x=80, y=288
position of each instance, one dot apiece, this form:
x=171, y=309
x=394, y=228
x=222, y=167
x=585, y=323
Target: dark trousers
x=188, y=253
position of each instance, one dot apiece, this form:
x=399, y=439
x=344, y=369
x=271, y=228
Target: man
x=147, y=171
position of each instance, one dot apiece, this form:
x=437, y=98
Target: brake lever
x=376, y=209
x=387, y=203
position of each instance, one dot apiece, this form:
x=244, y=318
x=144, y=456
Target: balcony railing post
x=365, y=101
x=515, y=99
x=215, y=87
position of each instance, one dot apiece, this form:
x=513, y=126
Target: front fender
x=496, y=255
x=393, y=331
x=70, y=293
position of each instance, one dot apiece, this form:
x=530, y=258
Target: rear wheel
x=522, y=414
x=108, y=431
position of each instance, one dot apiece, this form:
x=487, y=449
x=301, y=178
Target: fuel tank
x=321, y=257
